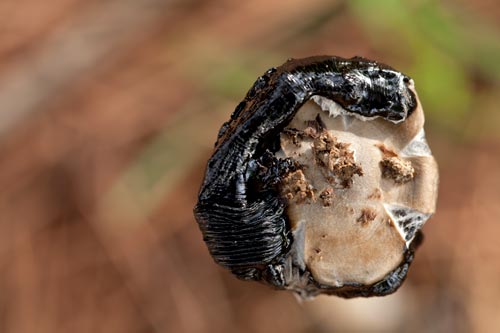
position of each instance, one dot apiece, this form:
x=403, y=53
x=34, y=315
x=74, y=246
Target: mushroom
x=321, y=180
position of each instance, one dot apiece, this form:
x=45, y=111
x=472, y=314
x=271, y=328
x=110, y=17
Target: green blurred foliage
x=446, y=51
x=452, y=57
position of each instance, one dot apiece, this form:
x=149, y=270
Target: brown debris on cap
x=376, y=194
x=327, y=196
x=336, y=159
x=387, y=152
x=399, y=170
x=295, y=135
x=367, y=215
x=296, y=188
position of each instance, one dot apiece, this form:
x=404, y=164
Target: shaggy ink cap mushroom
x=321, y=180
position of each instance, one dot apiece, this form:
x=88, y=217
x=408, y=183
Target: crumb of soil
x=376, y=194
x=386, y=151
x=296, y=188
x=336, y=159
x=367, y=215
x=398, y=170
x=315, y=127
x=327, y=196
x=294, y=135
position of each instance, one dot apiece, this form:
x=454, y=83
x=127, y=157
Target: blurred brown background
x=109, y=110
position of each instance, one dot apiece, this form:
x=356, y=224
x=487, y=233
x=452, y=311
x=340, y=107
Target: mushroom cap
x=321, y=179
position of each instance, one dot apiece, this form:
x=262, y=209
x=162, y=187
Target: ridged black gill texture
x=239, y=211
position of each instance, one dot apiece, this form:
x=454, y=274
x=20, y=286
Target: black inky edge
x=239, y=211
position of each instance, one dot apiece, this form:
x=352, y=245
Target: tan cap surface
x=355, y=216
